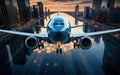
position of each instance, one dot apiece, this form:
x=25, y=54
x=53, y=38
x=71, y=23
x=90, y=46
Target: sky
x=65, y=5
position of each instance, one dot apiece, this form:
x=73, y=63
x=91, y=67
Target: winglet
x=58, y=8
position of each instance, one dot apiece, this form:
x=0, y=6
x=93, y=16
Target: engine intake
x=85, y=43
x=31, y=42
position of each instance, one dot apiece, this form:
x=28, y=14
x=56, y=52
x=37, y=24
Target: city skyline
x=66, y=5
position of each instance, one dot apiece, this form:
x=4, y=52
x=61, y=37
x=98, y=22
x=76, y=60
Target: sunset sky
x=65, y=5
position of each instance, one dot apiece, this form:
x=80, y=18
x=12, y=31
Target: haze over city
x=64, y=5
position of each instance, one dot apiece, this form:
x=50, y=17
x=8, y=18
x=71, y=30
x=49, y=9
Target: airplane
x=59, y=32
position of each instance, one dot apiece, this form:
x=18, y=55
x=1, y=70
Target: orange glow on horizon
x=64, y=6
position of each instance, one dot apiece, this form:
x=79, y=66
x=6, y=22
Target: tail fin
x=58, y=8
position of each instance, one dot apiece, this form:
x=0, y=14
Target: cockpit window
x=61, y=23
x=58, y=23
x=55, y=23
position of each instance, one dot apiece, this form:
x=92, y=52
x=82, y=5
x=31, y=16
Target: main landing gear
x=76, y=44
x=41, y=44
x=59, y=50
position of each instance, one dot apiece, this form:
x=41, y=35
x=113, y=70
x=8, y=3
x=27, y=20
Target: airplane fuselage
x=58, y=29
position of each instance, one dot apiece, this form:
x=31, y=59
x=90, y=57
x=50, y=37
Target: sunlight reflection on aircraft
x=52, y=47
x=66, y=47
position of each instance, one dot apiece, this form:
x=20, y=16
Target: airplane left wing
x=24, y=33
x=94, y=33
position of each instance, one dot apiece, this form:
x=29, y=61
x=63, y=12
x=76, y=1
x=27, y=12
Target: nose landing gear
x=59, y=50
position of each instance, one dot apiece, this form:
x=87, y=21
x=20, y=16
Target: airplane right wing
x=24, y=33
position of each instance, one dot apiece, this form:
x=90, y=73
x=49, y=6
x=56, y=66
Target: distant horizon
x=64, y=6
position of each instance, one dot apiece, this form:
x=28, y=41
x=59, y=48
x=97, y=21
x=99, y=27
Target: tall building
x=24, y=10
x=76, y=10
x=110, y=4
x=41, y=13
x=8, y=13
x=40, y=9
x=11, y=6
x=34, y=12
x=114, y=6
x=96, y=4
x=13, y=12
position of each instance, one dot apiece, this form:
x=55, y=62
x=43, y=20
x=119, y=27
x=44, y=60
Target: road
x=101, y=59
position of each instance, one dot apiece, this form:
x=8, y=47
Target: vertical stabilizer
x=58, y=8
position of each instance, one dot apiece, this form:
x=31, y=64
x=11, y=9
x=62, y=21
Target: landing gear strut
x=77, y=44
x=59, y=50
x=41, y=44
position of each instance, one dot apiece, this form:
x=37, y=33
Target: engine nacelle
x=85, y=43
x=31, y=42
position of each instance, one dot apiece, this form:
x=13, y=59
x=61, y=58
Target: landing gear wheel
x=76, y=45
x=59, y=50
x=41, y=46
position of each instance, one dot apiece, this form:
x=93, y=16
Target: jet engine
x=31, y=42
x=85, y=43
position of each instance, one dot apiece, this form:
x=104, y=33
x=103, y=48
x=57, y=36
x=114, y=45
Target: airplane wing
x=76, y=26
x=24, y=33
x=94, y=33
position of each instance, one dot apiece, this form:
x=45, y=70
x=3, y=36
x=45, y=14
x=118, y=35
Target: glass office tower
x=24, y=10
x=14, y=12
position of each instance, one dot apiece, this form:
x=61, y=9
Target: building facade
x=24, y=10
x=114, y=6
x=96, y=4
x=35, y=12
x=76, y=10
x=41, y=13
x=8, y=14
x=13, y=12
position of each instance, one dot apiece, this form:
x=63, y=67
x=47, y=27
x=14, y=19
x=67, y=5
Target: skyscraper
x=34, y=12
x=110, y=4
x=76, y=10
x=13, y=12
x=24, y=10
x=7, y=14
x=114, y=6
x=96, y=4
x=41, y=13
